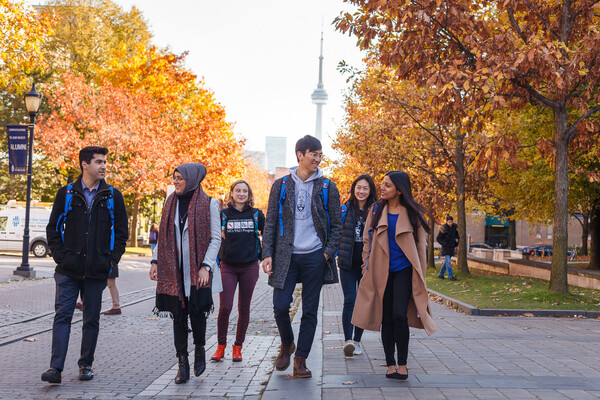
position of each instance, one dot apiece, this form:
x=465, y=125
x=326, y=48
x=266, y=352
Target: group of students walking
x=378, y=245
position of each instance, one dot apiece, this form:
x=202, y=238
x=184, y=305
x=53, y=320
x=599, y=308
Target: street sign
x=17, y=149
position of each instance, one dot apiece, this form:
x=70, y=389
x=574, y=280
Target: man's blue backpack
x=62, y=219
x=324, y=197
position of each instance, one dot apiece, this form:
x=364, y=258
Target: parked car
x=529, y=250
x=544, y=250
x=484, y=246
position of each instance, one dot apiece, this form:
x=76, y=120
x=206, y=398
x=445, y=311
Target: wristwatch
x=206, y=266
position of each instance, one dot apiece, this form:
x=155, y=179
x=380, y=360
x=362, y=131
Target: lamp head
x=33, y=101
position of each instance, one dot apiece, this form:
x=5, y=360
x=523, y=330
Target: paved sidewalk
x=470, y=357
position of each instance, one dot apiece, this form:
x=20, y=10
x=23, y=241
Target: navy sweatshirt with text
x=241, y=244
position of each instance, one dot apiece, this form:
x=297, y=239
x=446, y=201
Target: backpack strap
x=223, y=221
x=110, y=205
x=256, y=233
x=62, y=219
x=344, y=209
x=281, y=199
x=325, y=198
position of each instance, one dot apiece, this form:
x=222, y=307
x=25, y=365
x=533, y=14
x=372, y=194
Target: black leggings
x=180, y=331
x=394, y=326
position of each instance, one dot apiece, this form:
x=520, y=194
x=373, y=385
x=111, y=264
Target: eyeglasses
x=317, y=156
x=177, y=179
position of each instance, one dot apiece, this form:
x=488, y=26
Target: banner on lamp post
x=17, y=148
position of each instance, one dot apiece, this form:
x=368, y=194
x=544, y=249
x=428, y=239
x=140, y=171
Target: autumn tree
x=87, y=34
x=507, y=53
x=128, y=124
x=21, y=60
x=393, y=120
x=258, y=179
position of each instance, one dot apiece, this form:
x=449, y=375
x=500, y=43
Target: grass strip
x=510, y=292
x=144, y=251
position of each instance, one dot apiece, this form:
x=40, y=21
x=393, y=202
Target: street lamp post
x=33, y=101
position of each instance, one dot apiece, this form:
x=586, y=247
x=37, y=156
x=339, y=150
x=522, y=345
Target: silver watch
x=207, y=267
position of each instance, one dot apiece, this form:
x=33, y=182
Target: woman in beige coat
x=392, y=294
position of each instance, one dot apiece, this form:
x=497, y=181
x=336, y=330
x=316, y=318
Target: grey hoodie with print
x=306, y=239
x=279, y=236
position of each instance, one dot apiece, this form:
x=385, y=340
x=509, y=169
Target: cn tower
x=319, y=96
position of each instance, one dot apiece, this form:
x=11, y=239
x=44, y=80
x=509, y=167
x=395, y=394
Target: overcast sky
x=261, y=59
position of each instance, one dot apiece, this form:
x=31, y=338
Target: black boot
x=183, y=374
x=199, y=361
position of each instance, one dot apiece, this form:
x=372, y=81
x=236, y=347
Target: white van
x=12, y=225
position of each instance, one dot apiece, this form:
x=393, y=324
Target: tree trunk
x=595, y=232
x=585, y=228
x=558, y=274
x=430, y=248
x=461, y=261
x=512, y=234
x=134, y=223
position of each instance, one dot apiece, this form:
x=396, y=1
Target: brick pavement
x=135, y=357
x=470, y=357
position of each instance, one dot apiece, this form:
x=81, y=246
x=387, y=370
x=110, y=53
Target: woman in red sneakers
x=241, y=227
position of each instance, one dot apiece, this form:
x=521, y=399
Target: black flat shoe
x=53, y=375
x=397, y=376
x=86, y=373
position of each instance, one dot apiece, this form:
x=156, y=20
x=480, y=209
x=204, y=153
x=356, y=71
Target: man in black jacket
x=448, y=238
x=87, y=237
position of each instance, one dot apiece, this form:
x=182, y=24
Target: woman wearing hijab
x=184, y=263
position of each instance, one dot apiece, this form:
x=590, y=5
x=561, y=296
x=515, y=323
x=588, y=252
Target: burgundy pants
x=246, y=276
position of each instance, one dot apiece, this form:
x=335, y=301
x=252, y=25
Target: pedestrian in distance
x=153, y=236
x=302, y=233
x=448, y=237
x=114, y=292
x=362, y=195
x=241, y=227
x=392, y=294
x=86, y=232
x=185, y=264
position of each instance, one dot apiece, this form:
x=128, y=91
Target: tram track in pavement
x=28, y=327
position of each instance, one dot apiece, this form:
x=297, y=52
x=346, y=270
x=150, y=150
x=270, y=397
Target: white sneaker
x=357, y=349
x=349, y=348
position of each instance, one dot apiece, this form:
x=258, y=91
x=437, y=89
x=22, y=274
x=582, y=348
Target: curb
x=490, y=312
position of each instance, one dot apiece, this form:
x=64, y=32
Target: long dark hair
x=415, y=211
x=372, y=192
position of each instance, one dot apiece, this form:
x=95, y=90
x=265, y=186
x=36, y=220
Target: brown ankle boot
x=283, y=359
x=300, y=370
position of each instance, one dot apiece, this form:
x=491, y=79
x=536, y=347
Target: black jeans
x=394, y=327
x=350, y=280
x=181, y=330
x=310, y=270
x=67, y=289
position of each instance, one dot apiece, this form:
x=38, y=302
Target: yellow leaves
x=22, y=32
x=467, y=86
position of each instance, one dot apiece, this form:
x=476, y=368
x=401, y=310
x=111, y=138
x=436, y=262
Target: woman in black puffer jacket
x=362, y=194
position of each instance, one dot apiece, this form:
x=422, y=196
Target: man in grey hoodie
x=301, y=236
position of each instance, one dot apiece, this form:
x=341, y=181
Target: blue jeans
x=447, y=266
x=308, y=269
x=350, y=280
x=67, y=289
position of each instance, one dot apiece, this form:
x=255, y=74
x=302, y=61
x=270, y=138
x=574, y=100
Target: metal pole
x=24, y=269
